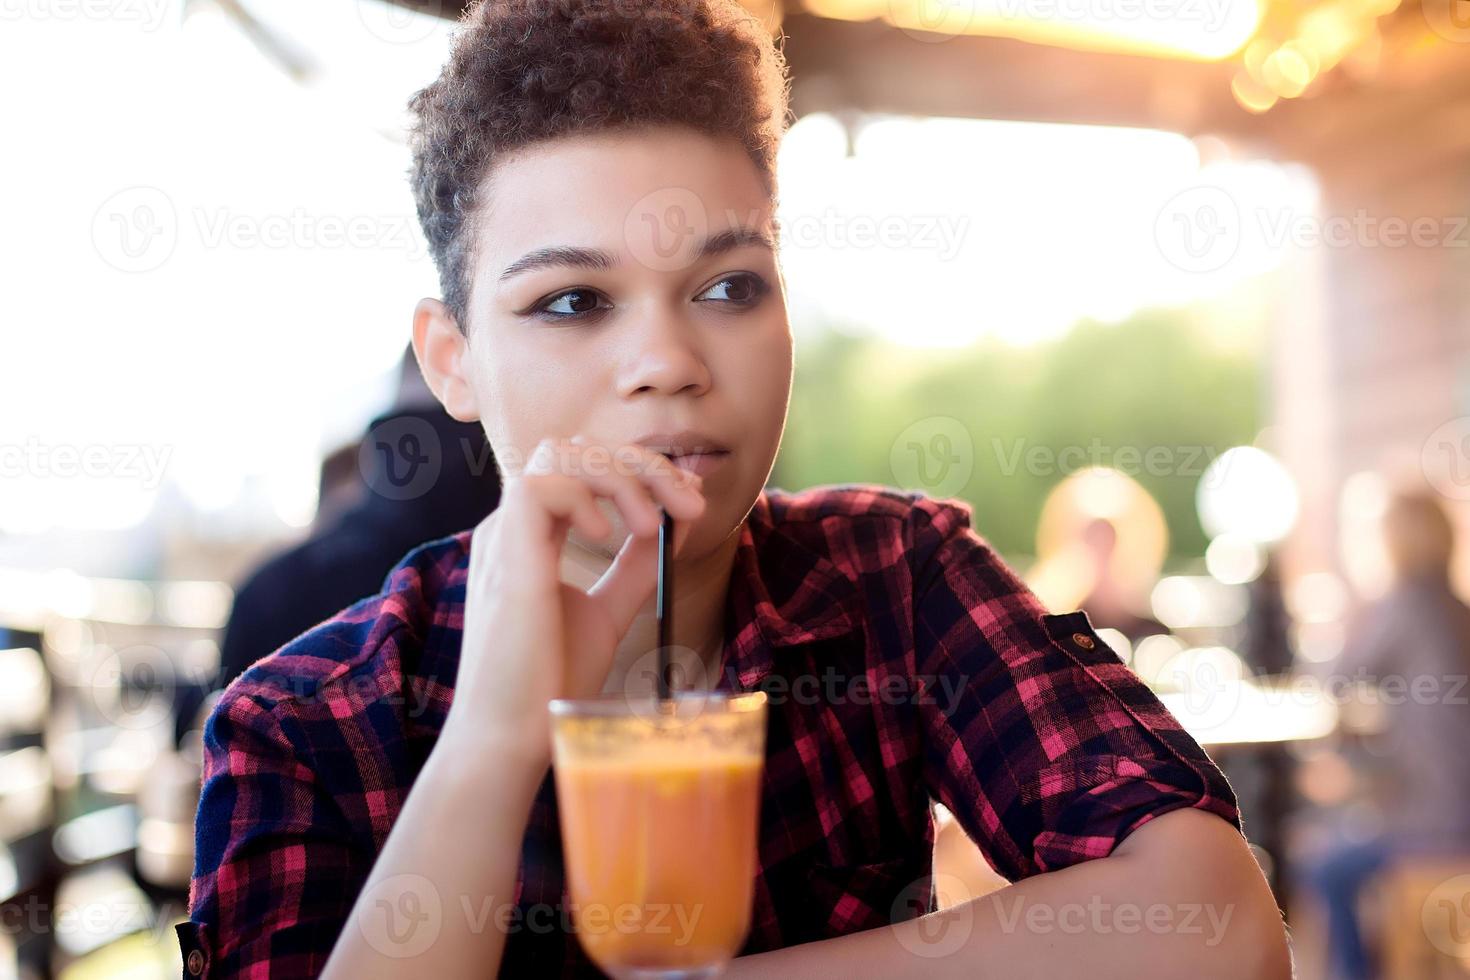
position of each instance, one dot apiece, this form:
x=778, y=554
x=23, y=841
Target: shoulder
x=855, y=501
x=865, y=508
x=866, y=523
x=366, y=649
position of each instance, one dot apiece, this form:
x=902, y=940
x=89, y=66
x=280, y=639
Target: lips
x=700, y=463
x=688, y=449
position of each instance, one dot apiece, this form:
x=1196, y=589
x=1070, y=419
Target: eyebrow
x=576, y=257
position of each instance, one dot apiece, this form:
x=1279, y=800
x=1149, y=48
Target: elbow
x=1206, y=864
x=1262, y=947
x=1251, y=938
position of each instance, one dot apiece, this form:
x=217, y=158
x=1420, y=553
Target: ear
x=443, y=354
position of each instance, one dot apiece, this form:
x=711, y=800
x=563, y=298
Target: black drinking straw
x=665, y=604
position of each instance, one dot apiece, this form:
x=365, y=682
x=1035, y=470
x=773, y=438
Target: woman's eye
x=572, y=303
x=744, y=289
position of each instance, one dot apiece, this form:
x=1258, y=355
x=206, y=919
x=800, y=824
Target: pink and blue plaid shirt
x=904, y=662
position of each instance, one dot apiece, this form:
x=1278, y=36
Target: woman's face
x=626, y=288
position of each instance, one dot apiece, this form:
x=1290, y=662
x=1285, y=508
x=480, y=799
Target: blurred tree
x=1153, y=396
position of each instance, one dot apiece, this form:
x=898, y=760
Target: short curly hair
x=524, y=71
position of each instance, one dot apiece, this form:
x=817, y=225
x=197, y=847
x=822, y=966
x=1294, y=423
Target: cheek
x=516, y=405
x=763, y=379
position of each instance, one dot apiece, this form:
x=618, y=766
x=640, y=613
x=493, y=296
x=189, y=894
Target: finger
x=628, y=582
x=540, y=503
x=678, y=489
x=634, y=501
x=591, y=522
x=672, y=487
x=638, y=481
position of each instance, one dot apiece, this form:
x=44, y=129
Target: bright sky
x=211, y=267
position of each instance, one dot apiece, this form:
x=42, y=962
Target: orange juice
x=660, y=853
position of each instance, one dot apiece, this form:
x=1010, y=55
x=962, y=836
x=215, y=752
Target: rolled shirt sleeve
x=1053, y=751
x=275, y=873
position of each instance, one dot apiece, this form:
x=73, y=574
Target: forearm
x=455, y=845
x=1178, y=898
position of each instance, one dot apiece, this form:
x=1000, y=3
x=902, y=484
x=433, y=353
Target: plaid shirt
x=904, y=661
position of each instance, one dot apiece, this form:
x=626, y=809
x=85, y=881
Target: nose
x=663, y=357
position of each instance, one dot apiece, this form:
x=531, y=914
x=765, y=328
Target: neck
x=701, y=585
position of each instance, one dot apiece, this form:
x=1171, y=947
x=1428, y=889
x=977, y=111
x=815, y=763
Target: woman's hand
x=528, y=637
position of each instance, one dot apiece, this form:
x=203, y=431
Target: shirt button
x=1083, y=640
x=196, y=962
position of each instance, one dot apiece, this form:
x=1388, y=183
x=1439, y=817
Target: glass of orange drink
x=659, y=803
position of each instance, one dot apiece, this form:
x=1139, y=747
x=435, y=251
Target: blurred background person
x=1414, y=645
x=416, y=475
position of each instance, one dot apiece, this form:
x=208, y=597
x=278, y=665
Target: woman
x=596, y=180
